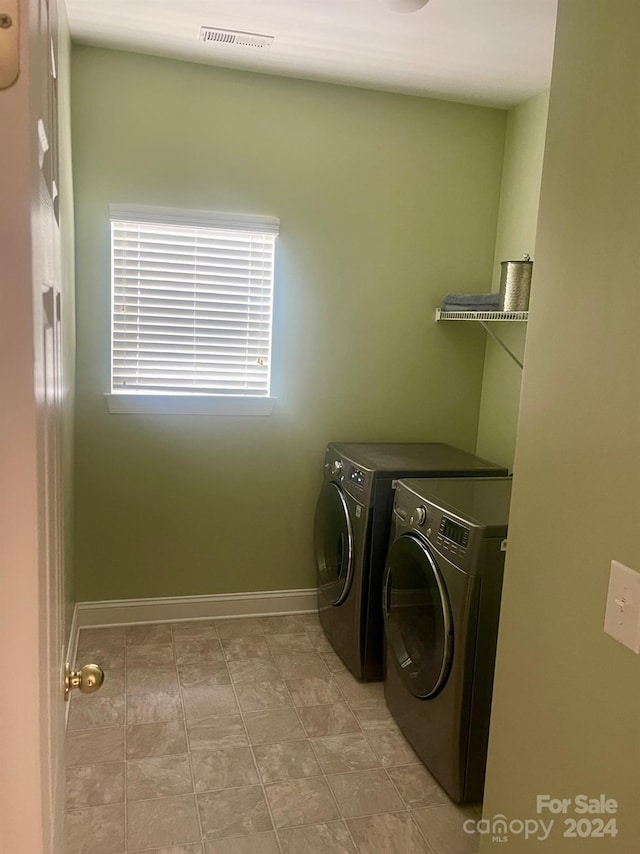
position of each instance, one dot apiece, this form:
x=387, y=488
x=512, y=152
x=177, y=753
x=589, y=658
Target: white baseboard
x=114, y=612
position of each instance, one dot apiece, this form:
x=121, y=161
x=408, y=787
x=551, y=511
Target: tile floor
x=243, y=736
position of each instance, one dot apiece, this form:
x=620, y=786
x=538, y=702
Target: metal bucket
x=515, y=284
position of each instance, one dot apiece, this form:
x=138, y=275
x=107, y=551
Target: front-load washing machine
x=441, y=603
x=351, y=533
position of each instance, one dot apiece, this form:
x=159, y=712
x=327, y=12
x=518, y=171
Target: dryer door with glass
x=418, y=621
x=334, y=544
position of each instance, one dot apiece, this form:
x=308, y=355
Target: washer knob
x=336, y=467
x=418, y=516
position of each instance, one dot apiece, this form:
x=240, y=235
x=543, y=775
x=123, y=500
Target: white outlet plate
x=622, y=617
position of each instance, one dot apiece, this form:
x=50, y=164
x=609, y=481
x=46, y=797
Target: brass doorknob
x=87, y=680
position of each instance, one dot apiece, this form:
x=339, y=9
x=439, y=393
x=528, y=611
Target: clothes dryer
x=441, y=603
x=351, y=534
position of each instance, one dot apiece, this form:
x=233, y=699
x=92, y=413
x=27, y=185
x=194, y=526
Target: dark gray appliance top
x=399, y=459
x=484, y=501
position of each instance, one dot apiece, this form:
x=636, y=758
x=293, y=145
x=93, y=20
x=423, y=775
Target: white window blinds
x=192, y=297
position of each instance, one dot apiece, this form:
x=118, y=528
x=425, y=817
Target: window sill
x=188, y=404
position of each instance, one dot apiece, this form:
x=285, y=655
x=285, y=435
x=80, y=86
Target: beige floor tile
x=318, y=640
x=331, y=838
x=289, y=644
x=155, y=707
x=195, y=848
x=335, y=719
x=443, y=827
x=239, y=628
x=274, y=725
x=157, y=739
x=95, y=785
x=212, y=732
x=198, y=651
x=375, y=717
x=391, y=833
x=158, y=777
x=107, y=830
x=301, y=666
x=391, y=747
x=314, y=691
x=150, y=655
x=148, y=680
x=286, y=625
x=83, y=748
x=341, y=753
x=297, y=802
x=289, y=760
x=205, y=702
x=360, y=695
x=253, y=696
x=94, y=712
x=101, y=646
x=233, y=812
x=88, y=638
x=253, y=670
x=364, y=793
x=162, y=822
x=193, y=629
x=417, y=786
x=258, y=843
x=178, y=694
x=310, y=621
x=223, y=768
x=146, y=634
x=333, y=663
x=204, y=675
x=249, y=647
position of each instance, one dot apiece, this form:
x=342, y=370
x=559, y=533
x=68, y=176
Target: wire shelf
x=521, y=316
x=483, y=317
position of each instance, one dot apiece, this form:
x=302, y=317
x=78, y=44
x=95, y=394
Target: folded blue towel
x=471, y=299
x=454, y=306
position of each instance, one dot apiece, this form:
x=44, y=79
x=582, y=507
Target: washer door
x=333, y=536
x=418, y=622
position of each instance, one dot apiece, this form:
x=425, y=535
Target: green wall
x=516, y=236
x=386, y=202
x=567, y=696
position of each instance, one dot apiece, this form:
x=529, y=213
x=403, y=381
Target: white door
x=31, y=568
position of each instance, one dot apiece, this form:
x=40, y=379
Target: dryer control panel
x=461, y=513
x=453, y=533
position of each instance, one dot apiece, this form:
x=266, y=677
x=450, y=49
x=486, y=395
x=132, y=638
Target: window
x=192, y=299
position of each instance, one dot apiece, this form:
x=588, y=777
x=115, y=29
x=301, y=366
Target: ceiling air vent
x=214, y=35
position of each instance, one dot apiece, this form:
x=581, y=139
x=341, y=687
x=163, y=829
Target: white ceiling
x=493, y=52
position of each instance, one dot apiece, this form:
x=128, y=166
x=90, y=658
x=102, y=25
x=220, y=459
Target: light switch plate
x=622, y=617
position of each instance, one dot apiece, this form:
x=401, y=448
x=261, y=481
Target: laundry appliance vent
x=214, y=35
